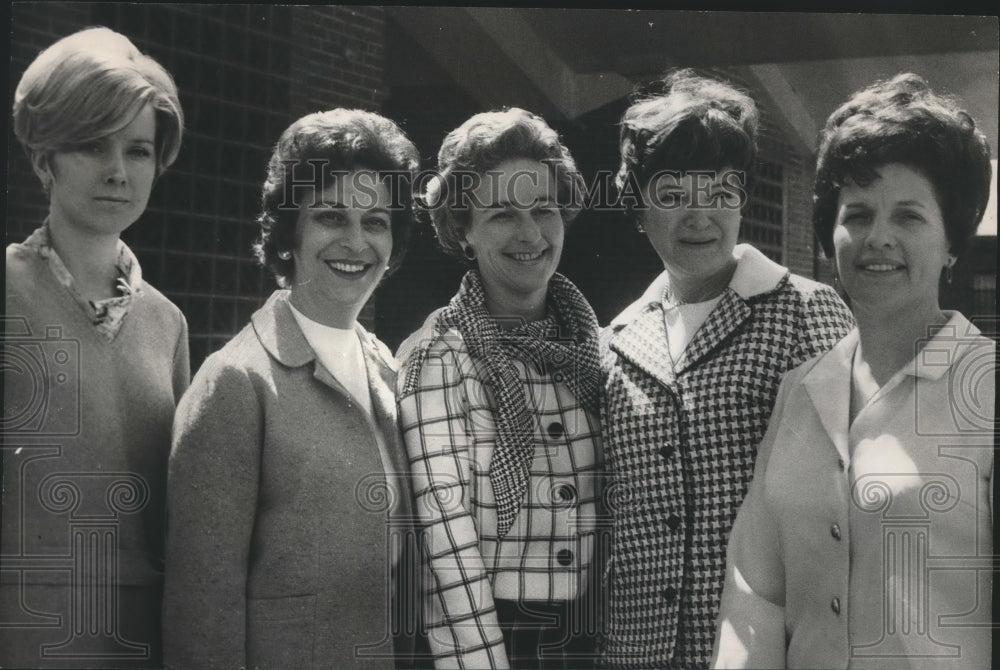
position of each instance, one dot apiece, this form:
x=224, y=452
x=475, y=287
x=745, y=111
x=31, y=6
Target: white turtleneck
x=339, y=351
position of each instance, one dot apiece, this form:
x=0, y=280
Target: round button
x=835, y=605
x=835, y=531
x=673, y=522
x=670, y=594
x=565, y=557
x=555, y=430
x=563, y=493
x=667, y=451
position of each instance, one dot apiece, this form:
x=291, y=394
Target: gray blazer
x=284, y=544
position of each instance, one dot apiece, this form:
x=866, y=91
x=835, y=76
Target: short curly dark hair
x=903, y=121
x=696, y=124
x=334, y=140
x=482, y=143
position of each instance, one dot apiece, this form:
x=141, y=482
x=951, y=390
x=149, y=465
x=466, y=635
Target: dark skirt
x=550, y=636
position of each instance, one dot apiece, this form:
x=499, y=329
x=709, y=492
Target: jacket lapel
x=828, y=386
x=727, y=316
x=281, y=336
x=381, y=381
x=643, y=342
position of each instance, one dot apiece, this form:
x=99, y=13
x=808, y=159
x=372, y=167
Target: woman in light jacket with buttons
x=865, y=539
x=288, y=502
x=498, y=399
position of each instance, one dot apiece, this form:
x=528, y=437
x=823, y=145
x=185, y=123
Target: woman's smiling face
x=516, y=228
x=343, y=242
x=890, y=242
x=693, y=221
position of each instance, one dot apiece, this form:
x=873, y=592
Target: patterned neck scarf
x=565, y=345
x=109, y=314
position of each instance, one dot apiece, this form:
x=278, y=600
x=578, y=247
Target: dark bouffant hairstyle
x=903, y=121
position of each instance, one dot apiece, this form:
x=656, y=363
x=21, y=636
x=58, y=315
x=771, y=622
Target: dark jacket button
x=673, y=522
x=835, y=531
x=835, y=605
x=565, y=557
x=667, y=451
x=670, y=594
x=564, y=493
x=555, y=430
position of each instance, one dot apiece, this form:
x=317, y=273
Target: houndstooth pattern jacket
x=680, y=443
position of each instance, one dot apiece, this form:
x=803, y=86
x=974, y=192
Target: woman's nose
x=352, y=236
x=696, y=216
x=528, y=229
x=880, y=233
x=114, y=168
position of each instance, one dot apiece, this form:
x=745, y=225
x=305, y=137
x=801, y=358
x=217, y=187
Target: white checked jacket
x=681, y=441
x=449, y=431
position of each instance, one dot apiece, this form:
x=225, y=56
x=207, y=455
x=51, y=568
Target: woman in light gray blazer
x=287, y=498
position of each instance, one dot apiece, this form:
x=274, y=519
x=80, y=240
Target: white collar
x=755, y=274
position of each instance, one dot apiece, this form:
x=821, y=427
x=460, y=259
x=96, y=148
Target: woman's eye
x=503, y=216
x=670, y=197
x=140, y=152
x=91, y=148
x=330, y=218
x=377, y=222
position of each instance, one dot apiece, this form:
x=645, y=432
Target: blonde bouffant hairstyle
x=89, y=85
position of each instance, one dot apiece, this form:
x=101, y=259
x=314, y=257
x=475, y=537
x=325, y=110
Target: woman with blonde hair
x=100, y=122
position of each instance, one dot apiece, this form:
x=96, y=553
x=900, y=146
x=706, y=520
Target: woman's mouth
x=527, y=256
x=348, y=269
x=881, y=267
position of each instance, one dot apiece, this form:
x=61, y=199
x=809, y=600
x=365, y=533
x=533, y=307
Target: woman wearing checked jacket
x=498, y=396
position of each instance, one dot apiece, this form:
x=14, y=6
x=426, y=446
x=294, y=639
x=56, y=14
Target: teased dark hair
x=903, y=121
x=339, y=139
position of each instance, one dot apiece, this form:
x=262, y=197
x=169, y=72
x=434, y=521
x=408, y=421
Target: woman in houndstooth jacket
x=692, y=369
x=498, y=398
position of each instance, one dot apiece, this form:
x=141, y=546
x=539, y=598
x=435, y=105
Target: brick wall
x=244, y=75
x=33, y=28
